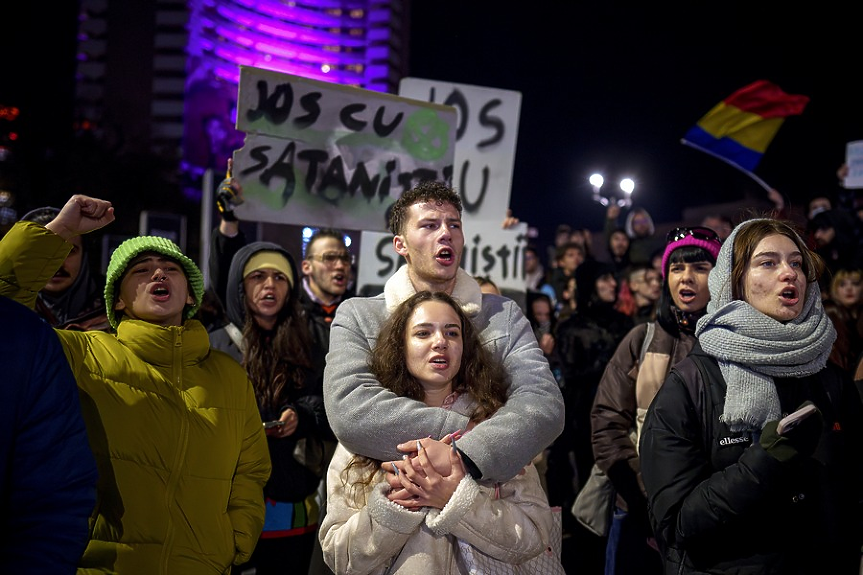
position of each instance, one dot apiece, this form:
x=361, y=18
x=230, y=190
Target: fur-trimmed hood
x=399, y=288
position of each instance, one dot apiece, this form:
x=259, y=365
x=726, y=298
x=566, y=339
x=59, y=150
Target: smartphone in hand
x=791, y=420
x=272, y=424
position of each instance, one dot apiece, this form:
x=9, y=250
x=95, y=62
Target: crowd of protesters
x=604, y=333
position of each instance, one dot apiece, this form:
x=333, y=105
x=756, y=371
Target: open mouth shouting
x=160, y=291
x=445, y=256
x=268, y=300
x=687, y=295
x=439, y=362
x=790, y=295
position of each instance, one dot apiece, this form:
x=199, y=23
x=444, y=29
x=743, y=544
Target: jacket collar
x=157, y=345
x=399, y=288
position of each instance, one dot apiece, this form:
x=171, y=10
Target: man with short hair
x=535, y=276
x=427, y=227
x=561, y=236
x=327, y=272
x=534, y=272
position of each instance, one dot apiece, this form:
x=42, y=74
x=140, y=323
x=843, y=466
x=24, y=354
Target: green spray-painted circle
x=426, y=136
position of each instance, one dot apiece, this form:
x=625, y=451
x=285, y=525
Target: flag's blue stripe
x=729, y=149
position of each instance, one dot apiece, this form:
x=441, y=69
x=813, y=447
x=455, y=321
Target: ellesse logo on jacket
x=726, y=441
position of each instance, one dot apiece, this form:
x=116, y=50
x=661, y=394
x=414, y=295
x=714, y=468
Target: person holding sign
x=729, y=490
x=372, y=421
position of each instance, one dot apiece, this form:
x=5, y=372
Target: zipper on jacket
x=176, y=380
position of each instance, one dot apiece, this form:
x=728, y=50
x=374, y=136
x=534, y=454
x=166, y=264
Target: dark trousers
x=280, y=556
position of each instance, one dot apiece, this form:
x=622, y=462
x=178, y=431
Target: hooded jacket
x=174, y=427
x=290, y=480
x=228, y=339
x=81, y=307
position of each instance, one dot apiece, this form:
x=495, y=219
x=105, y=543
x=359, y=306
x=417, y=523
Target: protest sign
x=489, y=251
x=485, y=142
x=854, y=161
x=330, y=155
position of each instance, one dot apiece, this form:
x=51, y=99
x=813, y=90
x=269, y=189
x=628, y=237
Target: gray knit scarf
x=753, y=348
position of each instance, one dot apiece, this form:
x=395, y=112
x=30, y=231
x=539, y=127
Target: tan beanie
x=265, y=259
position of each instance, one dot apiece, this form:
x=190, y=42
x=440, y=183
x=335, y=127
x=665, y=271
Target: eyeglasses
x=698, y=233
x=330, y=258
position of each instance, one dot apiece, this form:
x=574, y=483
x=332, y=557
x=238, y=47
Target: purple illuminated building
x=161, y=77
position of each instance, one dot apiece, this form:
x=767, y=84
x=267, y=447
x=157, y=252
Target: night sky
x=611, y=88
x=605, y=87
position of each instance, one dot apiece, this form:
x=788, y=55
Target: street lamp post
x=596, y=180
x=623, y=199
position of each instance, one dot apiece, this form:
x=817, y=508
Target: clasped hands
x=428, y=474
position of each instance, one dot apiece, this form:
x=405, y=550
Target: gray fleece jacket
x=366, y=418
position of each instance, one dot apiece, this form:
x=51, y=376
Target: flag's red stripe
x=767, y=100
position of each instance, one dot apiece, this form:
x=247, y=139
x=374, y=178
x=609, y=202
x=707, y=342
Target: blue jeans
x=613, y=540
x=627, y=551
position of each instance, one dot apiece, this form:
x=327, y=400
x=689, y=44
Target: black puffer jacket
x=719, y=503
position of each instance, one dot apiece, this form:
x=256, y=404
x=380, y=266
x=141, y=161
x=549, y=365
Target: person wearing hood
x=173, y=425
x=268, y=334
x=641, y=230
x=729, y=488
x=617, y=243
x=74, y=296
x=630, y=382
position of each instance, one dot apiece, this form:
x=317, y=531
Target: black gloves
x=798, y=443
x=227, y=199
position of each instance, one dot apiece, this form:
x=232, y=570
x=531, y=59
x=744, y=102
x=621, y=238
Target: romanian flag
x=740, y=127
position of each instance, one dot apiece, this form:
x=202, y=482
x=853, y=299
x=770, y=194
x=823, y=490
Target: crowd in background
x=601, y=305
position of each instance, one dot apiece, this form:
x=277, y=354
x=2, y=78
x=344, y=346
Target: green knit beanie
x=126, y=251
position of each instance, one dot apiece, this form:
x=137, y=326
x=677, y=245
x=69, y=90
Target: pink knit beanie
x=704, y=238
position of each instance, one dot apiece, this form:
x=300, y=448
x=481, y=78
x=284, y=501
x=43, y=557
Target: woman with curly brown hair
x=430, y=351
